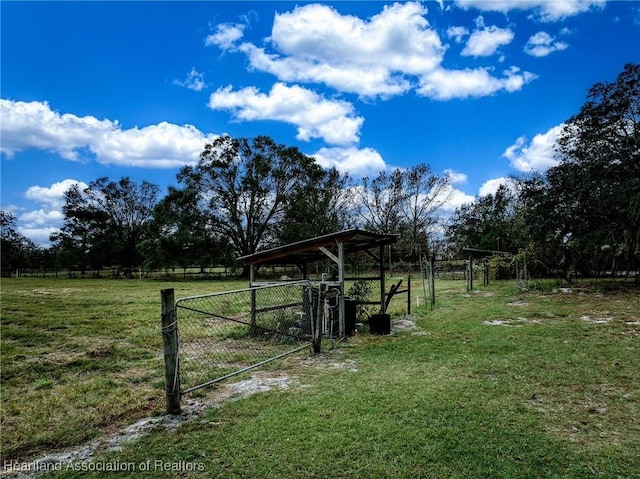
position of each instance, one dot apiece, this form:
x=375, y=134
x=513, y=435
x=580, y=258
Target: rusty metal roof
x=308, y=251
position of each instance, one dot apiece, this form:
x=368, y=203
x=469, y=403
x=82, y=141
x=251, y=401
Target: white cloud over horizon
x=315, y=116
x=355, y=161
x=34, y=125
x=52, y=196
x=537, y=155
x=453, y=198
x=455, y=177
x=39, y=224
x=490, y=187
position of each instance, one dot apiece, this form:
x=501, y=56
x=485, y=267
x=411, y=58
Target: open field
x=80, y=356
x=491, y=384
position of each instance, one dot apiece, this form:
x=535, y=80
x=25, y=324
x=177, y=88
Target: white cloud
x=315, y=43
x=52, y=196
x=39, y=224
x=542, y=44
x=544, y=10
x=164, y=145
x=39, y=235
x=315, y=117
x=485, y=41
x=455, y=177
x=447, y=84
x=388, y=54
x=41, y=218
x=359, y=162
x=33, y=125
x=490, y=187
x=452, y=198
x=537, y=155
x=226, y=36
x=375, y=80
x=457, y=33
x=194, y=81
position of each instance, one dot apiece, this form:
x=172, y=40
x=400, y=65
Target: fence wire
x=223, y=334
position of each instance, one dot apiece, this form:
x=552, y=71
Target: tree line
x=581, y=216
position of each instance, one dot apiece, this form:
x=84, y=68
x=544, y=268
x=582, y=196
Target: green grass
x=79, y=357
x=495, y=384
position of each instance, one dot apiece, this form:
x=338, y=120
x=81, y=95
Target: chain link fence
x=223, y=334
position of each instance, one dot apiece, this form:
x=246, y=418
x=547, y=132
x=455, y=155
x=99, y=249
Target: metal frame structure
x=480, y=253
x=335, y=247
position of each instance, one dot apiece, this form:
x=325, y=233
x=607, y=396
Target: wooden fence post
x=409, y=294
x=170, y=344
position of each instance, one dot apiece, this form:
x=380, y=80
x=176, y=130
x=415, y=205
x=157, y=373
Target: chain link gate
x=220, y=335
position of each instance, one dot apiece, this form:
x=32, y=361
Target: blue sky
x=478, y=89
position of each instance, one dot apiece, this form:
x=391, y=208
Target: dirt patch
x=518, y=303
x=597, y=320
x=403, y=325
x=497, y=322
x=511, y=322
x=481, y=294
x=632, y=331
x=484, y=294
x=332, y=361
x=258, y=383
x=50, y=292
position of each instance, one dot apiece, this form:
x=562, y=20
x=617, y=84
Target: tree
x=380, y=201
x=424, y=196
x=596, y=186
x=316, y=207
x=244, y=188
x=107, y=221
x=402, y=202
x=181, y=236
x=490, y=222
x=16, y=250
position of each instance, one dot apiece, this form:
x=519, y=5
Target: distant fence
x=211, y=337
x=117, y=273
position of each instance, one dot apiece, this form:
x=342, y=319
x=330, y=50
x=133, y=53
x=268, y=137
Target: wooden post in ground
x=170, y=344
x=409, y=294
x=485, y=272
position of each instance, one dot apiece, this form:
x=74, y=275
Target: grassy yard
x=493, y=384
